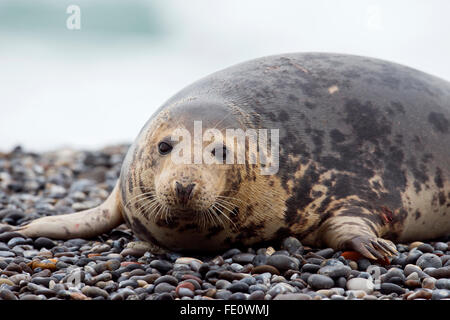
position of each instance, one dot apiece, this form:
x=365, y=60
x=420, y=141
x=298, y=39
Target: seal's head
x=185, y=175
x=191, y=176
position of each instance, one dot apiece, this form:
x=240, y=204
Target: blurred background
x=85, y=88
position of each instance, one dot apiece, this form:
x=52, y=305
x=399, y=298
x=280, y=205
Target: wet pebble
x=429, y=260
x=282, y=262
x=317, y=281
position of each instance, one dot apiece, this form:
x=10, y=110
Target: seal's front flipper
x=352, y=229
x=371, y=247
x=84, y=224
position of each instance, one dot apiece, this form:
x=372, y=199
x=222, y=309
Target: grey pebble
x=7, y=254
x=238, y=287
x=128, y=283
x=257, y=295
x=185, y=292
x=440, y=294
x=243, y=258
x=161, y=265
x=335, y=271
x=292, y=245
x=326, y=253
x=442, y=284
x=388, y=288
x=167, y=279
x=43, y=242
x=282, y=262
x=318, y=281
x=164, y=287
x=6, y=294
x=223, y=284
x=223, y=294
x=311, y=268
x=238, y=296
x=426, y=248
x=429, y=260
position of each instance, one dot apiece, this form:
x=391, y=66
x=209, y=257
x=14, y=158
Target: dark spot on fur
x=438, y=178
x=282, y=233
x=442, y=198
x=439, y=122
x=310, y=105
x=283, y=116
x=337, y=136
x=417, y=214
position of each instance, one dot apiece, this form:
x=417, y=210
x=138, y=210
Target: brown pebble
x=49, y=264
x=265, y=268
x=428, y=283
x=190, y=276
x=412, y=283
x=7, y=295
x=443, y=272
x=414, y=245
x=211, y=292
x=187, y=285
x=421, y=294
x=270, y=251
x=127, y=263
x=6, y=281
x=142, y=283
x=79, y=296
x=218, y=260
x=353, y=265
x=44, y=273
x=13, y=267
x=150, y=278
x=230, y=276
x=26, y=268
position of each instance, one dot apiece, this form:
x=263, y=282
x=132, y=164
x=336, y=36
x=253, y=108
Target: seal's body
x=364, y=157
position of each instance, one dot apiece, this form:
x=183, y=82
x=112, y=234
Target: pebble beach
x=106, y=268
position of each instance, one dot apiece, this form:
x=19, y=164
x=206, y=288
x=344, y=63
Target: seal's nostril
x=184, y=193
x=189, y=189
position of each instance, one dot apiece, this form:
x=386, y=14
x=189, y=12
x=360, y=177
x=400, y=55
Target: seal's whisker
x=145, y=199
x=224, y=203
x=150, y=193
x=167, y=214
x=158, y=214
x=231, y=198
x=148, y=208
x=228, y=218
x=213, y=211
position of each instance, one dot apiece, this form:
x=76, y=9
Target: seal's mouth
x=217, y=213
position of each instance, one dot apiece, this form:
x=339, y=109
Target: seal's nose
x=184, y=193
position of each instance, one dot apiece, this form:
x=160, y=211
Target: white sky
x=53, y=94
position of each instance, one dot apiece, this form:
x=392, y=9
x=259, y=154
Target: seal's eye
x=164, y=148
x=220, y=155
